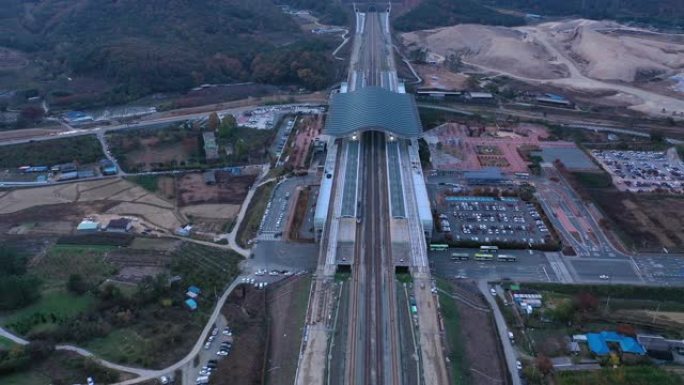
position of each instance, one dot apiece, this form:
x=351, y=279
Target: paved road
x=502, y=329
x=83, y=352
x=198, y=345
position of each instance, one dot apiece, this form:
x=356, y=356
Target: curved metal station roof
x=373, y=108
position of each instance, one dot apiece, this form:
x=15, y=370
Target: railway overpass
x=371, y=219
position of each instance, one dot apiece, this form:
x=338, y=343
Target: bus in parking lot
x=484, y=257
x=506, y=258
x=438, y=247
x=460, y=256
x=489, y=249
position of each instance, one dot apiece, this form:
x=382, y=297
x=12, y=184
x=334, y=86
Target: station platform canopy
x=373, y=108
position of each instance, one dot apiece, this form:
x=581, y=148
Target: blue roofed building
x=598, y=343
x=487, y=175
x=193, y=292
x=77, y=117
x=191, y=304
x=108, y=167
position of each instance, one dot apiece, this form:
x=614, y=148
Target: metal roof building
x=373, y=108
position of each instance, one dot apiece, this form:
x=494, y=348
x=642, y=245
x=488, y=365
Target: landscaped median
x=255, y=212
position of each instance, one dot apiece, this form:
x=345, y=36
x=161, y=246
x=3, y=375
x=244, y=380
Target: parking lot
x=219, y=344
x=643, y=170
x=278, y=208
x=530, y=266
x=490, y=219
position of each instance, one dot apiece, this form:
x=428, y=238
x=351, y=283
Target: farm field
x=245, y=311
x=643, y=221
x=182, y=147
x=287, y=306
x=124, y=307
x=473, y=343
x=621, y=376
x=82, y=149
x=62, y=367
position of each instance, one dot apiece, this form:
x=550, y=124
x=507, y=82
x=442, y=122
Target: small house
x=193, y=292
x=87, y=226
x=210, y=146
x=121, y=225
x=108, y=167
x=209, y=177
x=184, y=231
x=661, y=348
x=191, y=304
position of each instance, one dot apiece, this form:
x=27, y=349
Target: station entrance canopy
x=373, y=108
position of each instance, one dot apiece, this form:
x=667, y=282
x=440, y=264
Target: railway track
x=373, y=356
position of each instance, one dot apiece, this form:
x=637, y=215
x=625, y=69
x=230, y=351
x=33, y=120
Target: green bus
x=506, y=258
x=484, y=257
x=460, y=256
x=438, y=247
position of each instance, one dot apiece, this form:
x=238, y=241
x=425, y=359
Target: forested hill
x=144, y=46
x=438, y=13
x=656, y=12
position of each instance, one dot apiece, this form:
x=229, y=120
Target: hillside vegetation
x=141, y=47
x=661, y=12
x=439, y=13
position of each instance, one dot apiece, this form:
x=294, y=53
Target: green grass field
x=61, y=304
x=626, y=375
x=121, y=345
x=6, y=343
x=148, y=182
x=33, y=377
x=63, y=260
x=459, y=366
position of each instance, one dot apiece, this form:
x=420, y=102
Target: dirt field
x=153, y=153
x=436, y=76
x=484, y=357
x=71, y=202
x=245, y=311
x=646, y=221
x=191, y=189
x=573, y=55
x=133, y=265
x=287, y=305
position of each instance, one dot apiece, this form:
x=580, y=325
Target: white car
x=227, y=332
x=222, y=353
x=90, y=381
x=207, y=346
x=603, y=276
x=493, y=291
x=164, y=380
x=518, y=365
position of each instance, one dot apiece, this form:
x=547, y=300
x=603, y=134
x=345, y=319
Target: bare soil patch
x=645, y=221
x=482, y=347
x=245, y=311
x=191, y=189
x=439, y=77
x=134, y=265
x=287, y=305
